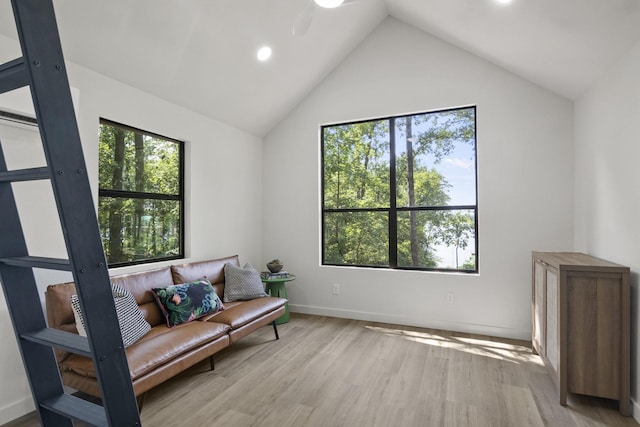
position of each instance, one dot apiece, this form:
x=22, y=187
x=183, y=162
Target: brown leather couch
x=164, y=352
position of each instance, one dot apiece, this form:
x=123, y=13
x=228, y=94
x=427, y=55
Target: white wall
x=525, y=171
x=223, y=210
x=607, y=194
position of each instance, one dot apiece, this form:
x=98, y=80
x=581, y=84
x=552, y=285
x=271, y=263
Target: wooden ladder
x=42, y=67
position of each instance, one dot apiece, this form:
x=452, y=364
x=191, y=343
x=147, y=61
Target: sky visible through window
x=459, y=171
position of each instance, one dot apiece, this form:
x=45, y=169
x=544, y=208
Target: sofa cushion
x=187, y=301
x=237, y=314
x=133, y=326
x=140, y=284
x=159, y=346
x=213, y=270
x=242, y=284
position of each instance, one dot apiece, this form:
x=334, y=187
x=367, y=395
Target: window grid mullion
x=393, y=214
x=124, y=194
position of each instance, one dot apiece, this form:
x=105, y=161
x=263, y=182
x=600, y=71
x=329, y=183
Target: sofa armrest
x=59, y=311
x=58, y=302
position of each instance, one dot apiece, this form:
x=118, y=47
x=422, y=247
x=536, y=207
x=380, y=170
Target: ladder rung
x=38, y=262
x=60, y=339
x=13, y=75
x=77, y=408
x=31, y=174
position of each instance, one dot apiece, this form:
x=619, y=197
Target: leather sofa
x=164, y=352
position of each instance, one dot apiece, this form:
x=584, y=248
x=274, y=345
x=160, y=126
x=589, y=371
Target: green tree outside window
x=141, y=202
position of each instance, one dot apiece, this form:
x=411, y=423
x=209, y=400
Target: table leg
x=280, y=291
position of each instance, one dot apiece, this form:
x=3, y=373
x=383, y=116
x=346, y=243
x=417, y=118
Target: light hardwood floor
x=337, y=372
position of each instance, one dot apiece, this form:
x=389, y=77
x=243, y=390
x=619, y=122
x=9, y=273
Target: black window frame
x=393, y=209
x=127, y=194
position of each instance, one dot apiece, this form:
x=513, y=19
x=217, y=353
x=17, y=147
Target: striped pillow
x=133, y=325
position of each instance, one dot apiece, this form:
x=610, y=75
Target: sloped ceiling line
x=200, y=54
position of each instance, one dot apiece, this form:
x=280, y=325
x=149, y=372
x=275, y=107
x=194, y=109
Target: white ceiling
x=201, y=53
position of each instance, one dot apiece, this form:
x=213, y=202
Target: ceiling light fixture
x=329, y=4
x=264, y=53
x=503, y=1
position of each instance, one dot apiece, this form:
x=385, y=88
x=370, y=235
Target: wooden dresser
x=580, y=319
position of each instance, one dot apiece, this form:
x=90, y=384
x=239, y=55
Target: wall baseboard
x=495, y=331
x=16, y=409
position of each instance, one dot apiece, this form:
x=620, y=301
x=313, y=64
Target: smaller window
x=141, y=195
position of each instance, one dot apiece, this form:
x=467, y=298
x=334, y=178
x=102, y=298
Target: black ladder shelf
x=42, y=68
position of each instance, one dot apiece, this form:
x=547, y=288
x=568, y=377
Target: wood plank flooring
x=338, y=372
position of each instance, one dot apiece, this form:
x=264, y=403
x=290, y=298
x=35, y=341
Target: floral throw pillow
x=188, y=301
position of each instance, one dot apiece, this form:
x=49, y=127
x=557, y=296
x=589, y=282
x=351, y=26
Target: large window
x=400, y=192
x=141, y=196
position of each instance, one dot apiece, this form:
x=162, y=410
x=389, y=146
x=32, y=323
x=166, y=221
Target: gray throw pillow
x=133, y=325
x=241, y=284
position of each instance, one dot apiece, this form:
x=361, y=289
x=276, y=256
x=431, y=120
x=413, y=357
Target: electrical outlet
x=451, y=298
x=336, y=289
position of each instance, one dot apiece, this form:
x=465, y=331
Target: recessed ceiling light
x=329, y=3
x=264, y=53
x=503, y=1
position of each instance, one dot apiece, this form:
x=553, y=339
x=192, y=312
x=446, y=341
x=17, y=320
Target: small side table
x=275, y=288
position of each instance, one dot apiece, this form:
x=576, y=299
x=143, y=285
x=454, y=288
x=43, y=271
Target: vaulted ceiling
x=201, y=54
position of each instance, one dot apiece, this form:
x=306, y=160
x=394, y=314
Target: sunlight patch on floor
x=499, y=350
